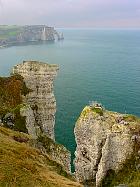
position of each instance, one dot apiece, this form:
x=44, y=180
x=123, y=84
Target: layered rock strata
x=39, y=107
x=105, y=142
x=40, y=102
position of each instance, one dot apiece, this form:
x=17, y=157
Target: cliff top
x=114, y=121
x=7, y=31
x=35, y=66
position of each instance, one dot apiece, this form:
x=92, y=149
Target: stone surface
x=9, y=120
x=39, y=79
x=103, y=144
x=31, y=126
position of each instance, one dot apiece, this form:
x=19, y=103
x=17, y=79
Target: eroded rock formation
x=40, y=114
x=38, y=109
x=105, y=142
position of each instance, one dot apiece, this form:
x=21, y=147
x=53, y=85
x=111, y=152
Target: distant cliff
x=108, y=148
x=12, y=35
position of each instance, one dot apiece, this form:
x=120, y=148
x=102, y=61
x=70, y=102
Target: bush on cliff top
x=11, y=91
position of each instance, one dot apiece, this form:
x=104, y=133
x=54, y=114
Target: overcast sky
x=71, y=13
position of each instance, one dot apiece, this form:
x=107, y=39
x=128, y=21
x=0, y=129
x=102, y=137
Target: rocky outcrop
x=56, y=151
x=106, y=143
x=40, y=101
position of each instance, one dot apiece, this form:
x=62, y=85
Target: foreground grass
x=25, y=166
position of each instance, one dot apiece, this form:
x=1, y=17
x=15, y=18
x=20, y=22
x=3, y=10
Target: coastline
x=25, y=43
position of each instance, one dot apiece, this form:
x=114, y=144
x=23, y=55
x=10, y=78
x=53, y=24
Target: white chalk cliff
x=105, y=141
x=40, y=114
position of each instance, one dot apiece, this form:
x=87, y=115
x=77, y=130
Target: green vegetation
x=131, y=118
x=19, y=121
x=11, y=91
x=9, y=27
x=23, y=166
x=98, y=111
x=48, y=143
x=9, y=31
x=94, y=110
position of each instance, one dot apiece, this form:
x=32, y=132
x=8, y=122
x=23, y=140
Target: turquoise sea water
x=101, y=65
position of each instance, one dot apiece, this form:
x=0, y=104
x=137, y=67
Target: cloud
x=70, y=12
x=1, y=4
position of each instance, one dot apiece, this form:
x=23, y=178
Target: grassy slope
x=24, y=166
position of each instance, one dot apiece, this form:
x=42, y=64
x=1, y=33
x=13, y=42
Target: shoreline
x=26, y=42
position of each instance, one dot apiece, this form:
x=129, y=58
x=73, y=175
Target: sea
x=100, y=65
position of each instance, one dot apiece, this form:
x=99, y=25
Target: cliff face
x=36, y=33
x=108, y=145
x=40, y=102
x=39, y=107
x=27, y=104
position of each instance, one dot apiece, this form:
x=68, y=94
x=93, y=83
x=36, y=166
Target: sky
x=72, y=13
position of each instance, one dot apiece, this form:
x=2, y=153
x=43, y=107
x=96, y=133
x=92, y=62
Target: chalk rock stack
x=105, y=142
x=41, y=109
